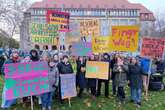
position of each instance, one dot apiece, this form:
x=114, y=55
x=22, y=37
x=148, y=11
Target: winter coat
x=113, y=61
x=135, y=76
x=65, y=68
x=53, y=76
x=80, y=76
x=120, y=77
x=160, y=67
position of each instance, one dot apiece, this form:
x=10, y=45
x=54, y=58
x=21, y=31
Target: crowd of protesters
x=123, y=71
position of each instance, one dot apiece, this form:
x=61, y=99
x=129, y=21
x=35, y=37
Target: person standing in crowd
x=64, y=68
x=26, y=60
x=120, y=70
x=7, y=103
x=53, y=75
x=80, y=76
x=2, y=61
x=34, y=55
x=72, y=61
x=136, y=82
x=45, y=50
x=106, y=58
x=54, y=50
x=160, y=66
x=92, y=81
x=113, y=62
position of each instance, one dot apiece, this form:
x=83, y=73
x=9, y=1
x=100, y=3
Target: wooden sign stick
x=69, y=102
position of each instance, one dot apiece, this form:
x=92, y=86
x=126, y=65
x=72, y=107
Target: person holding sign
x=120, y=70
x=81, y=80
x=106, y=58
x=53, y=76
x=64, y=68
x=92, y=81
x=8, y=103
x=136, y=82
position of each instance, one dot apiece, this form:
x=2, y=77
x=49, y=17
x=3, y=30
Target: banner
x=152, y=48
x=82, y=49
x=100, y=44
x=89, y=28
x=124, y=38
x=44, y=30
x=60, y=18
x=26, y=79
x=98, y=70
x=68, y=85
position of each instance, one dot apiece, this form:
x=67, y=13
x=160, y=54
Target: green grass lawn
x=156, y=102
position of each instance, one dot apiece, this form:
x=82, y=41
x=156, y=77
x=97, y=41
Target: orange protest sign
x=152, y=48
x=98, y=70
x=124, y=38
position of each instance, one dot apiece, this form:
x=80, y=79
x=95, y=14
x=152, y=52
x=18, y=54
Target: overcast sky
x=153, y=5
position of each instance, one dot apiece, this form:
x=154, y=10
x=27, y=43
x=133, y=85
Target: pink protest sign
x=26, y=79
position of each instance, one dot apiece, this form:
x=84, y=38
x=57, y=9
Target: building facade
x=108, y=12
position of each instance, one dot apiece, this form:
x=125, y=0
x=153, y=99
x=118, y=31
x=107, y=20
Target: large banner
x=152, y=48
x=44, y=33
x=99, y=70
x=68, y=86
x=60, y=18
x=100, y=44
x=26, y=79
x=124, y=38
x=89, y=28
x=82, y=49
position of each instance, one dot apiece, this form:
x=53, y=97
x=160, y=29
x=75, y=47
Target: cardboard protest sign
x=26, y=79
x=89, y=28
x=60, y=18
x=44, y=30
x=68, y=85
x=124, y=38
x=98, y=70
x=82, y=49
x=146, y=65
x=152, y=48
x=100, y=44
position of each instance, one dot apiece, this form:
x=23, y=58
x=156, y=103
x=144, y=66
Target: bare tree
x=159, y=29
x=11, y=14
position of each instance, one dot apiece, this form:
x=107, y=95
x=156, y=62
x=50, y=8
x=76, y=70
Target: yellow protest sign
x=100, y=44
x=124, y=38
x=89, y=28
x=95, y=69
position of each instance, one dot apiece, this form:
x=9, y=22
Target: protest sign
x=26, y=79
x=146, y=65
x=44, y=40
x=68, y=86
x=152, y=48
x=44, y=30
x=60, y=18
x=100, y=44
x=98, y=70
x=89, y=28
x=82, y=49
x=124, y=38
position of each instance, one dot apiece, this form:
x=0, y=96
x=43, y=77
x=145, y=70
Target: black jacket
x=65, y=68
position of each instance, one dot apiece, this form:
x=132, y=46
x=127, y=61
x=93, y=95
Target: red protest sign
x=152, y=48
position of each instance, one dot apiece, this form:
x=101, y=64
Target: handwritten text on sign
x=60, y=18
x=26, y=79
x=68, y=86
x=152, y=48
x=100, y=44
x=124, y=38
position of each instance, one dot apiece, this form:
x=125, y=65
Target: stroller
x=156, y=82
